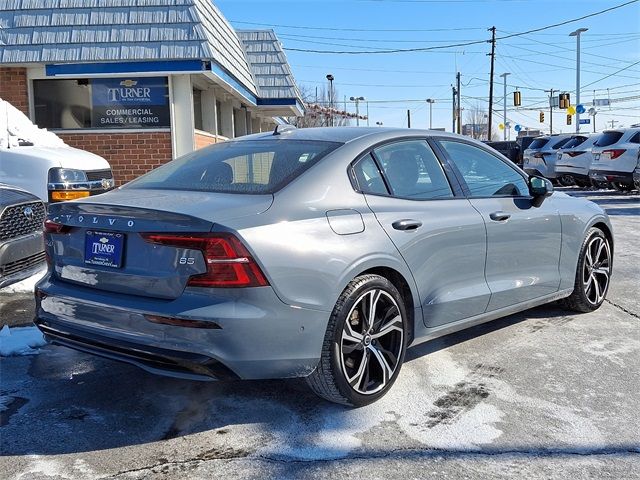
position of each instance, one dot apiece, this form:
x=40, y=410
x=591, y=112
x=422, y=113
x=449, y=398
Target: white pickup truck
x=38, y=161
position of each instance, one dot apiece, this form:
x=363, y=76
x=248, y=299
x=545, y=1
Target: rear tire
x=622, y=187
x=361, y=359
x=593, y=273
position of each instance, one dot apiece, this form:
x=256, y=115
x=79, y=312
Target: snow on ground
x=20, y=341
x=16, y=126
x=25, y=286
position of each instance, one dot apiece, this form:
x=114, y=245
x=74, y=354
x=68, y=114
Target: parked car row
x=610, y=159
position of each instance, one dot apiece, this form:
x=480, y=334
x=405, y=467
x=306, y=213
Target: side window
x=413, y=171
x=485, y=174
x=368, y=177
x=635, y=138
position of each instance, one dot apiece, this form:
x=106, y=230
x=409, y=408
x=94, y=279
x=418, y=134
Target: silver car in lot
x=616, y=154
x=540, y=158
x=574, y=160
x=319, y=253
x=21, y=245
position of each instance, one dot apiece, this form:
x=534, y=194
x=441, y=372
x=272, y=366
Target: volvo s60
x=318, y=253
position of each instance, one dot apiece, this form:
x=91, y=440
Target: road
x=542, y=394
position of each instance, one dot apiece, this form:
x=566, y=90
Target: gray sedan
x=317, y=253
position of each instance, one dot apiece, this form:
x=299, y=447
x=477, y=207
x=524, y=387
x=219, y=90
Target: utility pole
x=454, y=110
x=459, y=104
x=408, y=118
x=550, y=109
x=493, y=57
x=504, y=106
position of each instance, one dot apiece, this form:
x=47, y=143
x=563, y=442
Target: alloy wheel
x=597, y=270
x=371, y=342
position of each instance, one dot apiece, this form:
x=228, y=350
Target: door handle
x=406, y=224
x=499, y=216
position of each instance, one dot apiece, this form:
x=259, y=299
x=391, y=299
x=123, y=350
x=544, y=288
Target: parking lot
x=544, y=394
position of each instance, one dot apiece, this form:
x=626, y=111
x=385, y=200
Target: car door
x=523, y=241
x=440, y=235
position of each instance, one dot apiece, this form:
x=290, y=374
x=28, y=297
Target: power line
x=307, y=27
x=612, y=74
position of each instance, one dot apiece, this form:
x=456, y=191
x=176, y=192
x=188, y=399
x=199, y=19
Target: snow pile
x=27, y=285
x=15, y=127
x=20, y=341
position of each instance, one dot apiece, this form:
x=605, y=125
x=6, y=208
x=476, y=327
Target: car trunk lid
x=101, y=243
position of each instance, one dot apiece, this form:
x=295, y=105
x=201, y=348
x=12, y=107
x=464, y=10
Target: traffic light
x=541, y=117
x=568, y=119
x=564, y=100
x=517, y=100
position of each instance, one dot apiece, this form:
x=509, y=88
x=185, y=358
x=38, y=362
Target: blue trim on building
x=277, y=101
x=233, y=82
x=124, y=67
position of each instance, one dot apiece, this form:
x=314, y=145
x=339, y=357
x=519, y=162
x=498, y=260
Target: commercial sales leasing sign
x=130, y=102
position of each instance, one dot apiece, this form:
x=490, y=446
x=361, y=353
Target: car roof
x=342, y=134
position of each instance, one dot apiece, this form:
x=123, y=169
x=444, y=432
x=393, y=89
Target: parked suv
x=39, y=162
x=21, y=246
x=574, y=160
x=616, y=154
x=540, y=158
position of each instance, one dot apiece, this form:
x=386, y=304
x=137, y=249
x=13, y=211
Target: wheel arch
x=400, y=282
x=606, y=229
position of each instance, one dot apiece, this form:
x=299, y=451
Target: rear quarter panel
x=577, y=216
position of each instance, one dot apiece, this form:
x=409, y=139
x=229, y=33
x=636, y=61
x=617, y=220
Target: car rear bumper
x=20, y=258
x=206, y=334
x=611, y=176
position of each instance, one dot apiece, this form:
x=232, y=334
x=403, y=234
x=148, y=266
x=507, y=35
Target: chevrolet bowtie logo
x=128, y=83
x=104, y=240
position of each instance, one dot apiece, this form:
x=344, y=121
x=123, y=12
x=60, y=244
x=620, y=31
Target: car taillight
x=574, y=154
x=229, y=263
x=54, y=227
x=613, y=153
x=538, y=155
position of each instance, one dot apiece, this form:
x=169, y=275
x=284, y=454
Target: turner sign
x=130, y=102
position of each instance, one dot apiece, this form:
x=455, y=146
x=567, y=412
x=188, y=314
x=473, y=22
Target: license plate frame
x=104, y=249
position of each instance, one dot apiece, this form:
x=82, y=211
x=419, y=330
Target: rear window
x=561, y=143
x=252, y=167
x=574, y=142
x=539, y=143
x=608, y=138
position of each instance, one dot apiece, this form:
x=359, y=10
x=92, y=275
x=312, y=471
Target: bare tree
x=318, y=109
x=475, y=122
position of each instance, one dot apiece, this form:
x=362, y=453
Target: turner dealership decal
x=130, y=102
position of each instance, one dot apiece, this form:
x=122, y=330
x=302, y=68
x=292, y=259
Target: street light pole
x=330, y=78
x=577, y=35
x=430, y=101
x=358, y=100
x=504, y=106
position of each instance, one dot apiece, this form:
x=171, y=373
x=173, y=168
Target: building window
x=102, y=103
x=197, y=109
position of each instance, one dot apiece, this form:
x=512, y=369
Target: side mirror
x=539, y=188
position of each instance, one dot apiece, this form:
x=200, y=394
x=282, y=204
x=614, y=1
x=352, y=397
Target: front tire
x=593, y=273
x=364, y=345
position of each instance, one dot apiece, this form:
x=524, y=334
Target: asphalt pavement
x=541, y=394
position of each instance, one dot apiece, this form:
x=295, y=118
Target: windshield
x=252, y=166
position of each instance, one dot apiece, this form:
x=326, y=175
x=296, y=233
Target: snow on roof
x=15, y=127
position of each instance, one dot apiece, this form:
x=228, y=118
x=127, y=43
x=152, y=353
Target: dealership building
x=141, y=81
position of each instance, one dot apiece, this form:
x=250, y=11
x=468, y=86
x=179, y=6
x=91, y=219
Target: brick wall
x=205, y=139
x=13, y=87
x=129, y=154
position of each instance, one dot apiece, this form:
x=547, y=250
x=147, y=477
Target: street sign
x=585, y=121
x=601, y=102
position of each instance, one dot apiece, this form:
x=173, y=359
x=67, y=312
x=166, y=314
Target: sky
x=395, y=82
